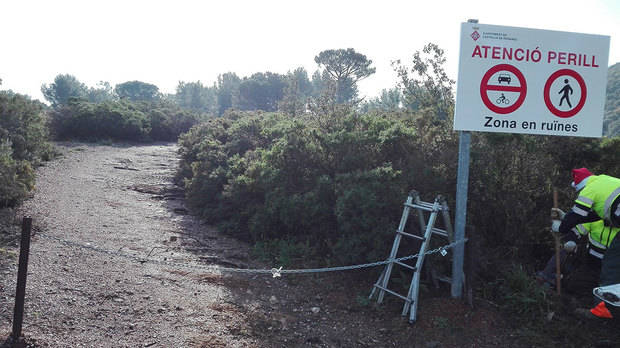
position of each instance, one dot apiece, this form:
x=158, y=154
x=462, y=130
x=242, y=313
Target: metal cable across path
x=275, y=272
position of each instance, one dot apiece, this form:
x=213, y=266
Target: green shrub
x=23, y=145
x=23, y=124
x=168, y=121
x=367, y=201
x=518, y=292
x=107, y=120
x=266, y=177
x=121, y=120
x=282, y=252
x=16, y=177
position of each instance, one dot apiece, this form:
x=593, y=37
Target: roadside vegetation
x=23, y=145
x=312, y=175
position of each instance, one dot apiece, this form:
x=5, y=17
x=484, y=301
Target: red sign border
x=484, y=88
x=547, y=90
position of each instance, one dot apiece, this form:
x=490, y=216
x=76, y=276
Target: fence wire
x=275, y=272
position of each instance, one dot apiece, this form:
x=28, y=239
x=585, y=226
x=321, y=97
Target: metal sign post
x=460, y=219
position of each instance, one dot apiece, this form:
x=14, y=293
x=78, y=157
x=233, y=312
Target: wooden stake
x=22, y=272
x=558, y=264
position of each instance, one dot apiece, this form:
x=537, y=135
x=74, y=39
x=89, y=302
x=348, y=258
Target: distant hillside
x=611, y=125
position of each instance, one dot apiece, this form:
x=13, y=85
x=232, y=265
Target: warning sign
x=519, y=80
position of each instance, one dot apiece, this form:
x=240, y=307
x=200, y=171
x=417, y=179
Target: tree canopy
x=346, y=68
x=195, y=96
x=227, y=91
x=388, y=100
x=63, y=88
x=296, y=93
x=426, y=84
x=137, y=90
x=103, y=92
x=261, y=91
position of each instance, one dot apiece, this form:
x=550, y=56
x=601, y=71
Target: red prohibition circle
x=547, y=91
x=485, y=87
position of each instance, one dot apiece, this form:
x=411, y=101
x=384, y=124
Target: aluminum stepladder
x=413, y=202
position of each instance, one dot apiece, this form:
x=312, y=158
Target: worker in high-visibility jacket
x=600, y=235
x=598, y=199
x=586, y=274
x=581, y=265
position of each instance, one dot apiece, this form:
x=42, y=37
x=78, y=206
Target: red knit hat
x=580, y=176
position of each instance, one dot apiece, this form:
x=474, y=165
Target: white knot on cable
x=276, y=272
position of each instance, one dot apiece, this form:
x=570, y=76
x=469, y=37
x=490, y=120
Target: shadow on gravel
x=208, y=245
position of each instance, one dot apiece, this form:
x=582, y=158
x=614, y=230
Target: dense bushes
x=23, y=144
x=113, y=120
x=121, y=120
x=334, y=191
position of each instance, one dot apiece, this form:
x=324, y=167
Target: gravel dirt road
x=99, y=211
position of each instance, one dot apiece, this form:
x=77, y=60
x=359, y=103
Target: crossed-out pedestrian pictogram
x=485, y=87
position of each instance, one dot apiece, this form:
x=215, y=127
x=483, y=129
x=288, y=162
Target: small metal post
x=20, y=294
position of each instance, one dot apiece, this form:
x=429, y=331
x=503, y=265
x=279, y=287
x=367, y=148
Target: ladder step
x=410, y=235
x=413, y=268
x=393, y=293
x=440, y=232
x=422, y=206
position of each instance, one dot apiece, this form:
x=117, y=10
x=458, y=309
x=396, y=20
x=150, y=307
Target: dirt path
x=121, y=199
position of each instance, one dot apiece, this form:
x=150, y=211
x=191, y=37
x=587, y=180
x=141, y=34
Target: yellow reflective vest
x=599, y=236
x=598, y=194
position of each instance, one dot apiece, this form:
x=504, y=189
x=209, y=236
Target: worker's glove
x=555, y=226
x=570, y=246
x=557, y=213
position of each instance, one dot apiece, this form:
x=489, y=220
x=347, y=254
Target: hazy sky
x=164, y=42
